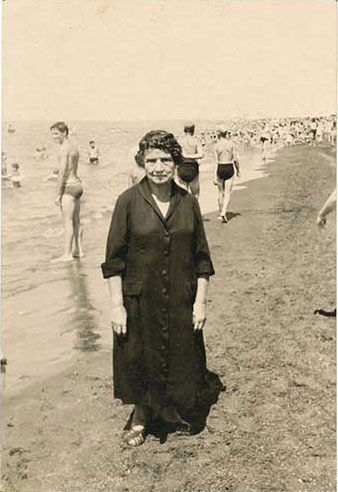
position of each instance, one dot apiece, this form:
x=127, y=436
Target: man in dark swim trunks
x=188, y=171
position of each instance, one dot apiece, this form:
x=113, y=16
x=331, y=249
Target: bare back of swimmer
x=188, y=171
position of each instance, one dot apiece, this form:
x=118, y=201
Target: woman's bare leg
x=226, y=197
x=220, y=186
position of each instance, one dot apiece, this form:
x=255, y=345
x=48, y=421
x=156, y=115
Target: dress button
x=167, y=234
x=164, y=290
x=166, y=252
x=164, y=272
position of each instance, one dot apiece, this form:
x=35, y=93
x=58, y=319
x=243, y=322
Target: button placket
x=164, y=327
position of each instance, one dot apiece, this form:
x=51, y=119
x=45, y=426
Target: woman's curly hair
x=162, y=140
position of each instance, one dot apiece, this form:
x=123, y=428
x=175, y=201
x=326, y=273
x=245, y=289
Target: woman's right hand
x=118, y=318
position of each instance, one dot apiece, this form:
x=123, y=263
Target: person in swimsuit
x=68, y=192
x=15, y=176
x=226, y=163
x=202, y=139
x=93, y=153
x=265, y=137
x=192, y=151
x=333, y=134
x=313, y=129
x=41, y=153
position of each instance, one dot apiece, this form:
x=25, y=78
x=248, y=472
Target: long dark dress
x=162, y=361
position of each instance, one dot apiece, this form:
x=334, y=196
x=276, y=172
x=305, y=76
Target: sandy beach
x=272, y=430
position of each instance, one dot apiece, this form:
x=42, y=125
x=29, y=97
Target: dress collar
x=175, y=198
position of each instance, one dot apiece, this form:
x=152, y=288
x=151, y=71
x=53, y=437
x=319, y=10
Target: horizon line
x=128, y=120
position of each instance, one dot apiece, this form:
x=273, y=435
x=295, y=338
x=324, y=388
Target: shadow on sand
x=232, y=215
x=189, y=422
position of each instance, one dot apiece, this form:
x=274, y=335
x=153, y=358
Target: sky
x=160, y=59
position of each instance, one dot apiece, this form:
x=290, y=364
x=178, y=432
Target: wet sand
x=273, y=429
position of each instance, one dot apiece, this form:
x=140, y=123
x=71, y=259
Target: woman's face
x=159, y=166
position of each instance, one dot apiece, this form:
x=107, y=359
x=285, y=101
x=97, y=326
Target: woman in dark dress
x=158, y=267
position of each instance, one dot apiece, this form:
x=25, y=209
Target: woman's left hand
x=199, y=315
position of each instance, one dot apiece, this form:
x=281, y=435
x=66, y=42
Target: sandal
x=135, y=436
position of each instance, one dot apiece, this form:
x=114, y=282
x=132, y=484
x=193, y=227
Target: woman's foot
x=78, y=254
x=135, y=436
x=223, y=219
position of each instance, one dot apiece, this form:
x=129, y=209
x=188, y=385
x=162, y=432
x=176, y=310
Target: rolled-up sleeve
x=203, y=263
x=117, y=242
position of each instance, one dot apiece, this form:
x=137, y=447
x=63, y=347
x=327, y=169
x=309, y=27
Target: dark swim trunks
x=188, y=171
x=263, y=139
x=73, y=189
x=225, y=171
x=94, y=160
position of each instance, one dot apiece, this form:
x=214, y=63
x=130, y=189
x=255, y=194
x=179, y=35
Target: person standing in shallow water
x=157, y=259
x=93, y=153
x=68, y=192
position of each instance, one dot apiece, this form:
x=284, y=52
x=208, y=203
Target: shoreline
x=275, y=357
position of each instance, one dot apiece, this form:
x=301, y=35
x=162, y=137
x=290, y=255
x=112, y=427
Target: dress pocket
x=132, y=288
